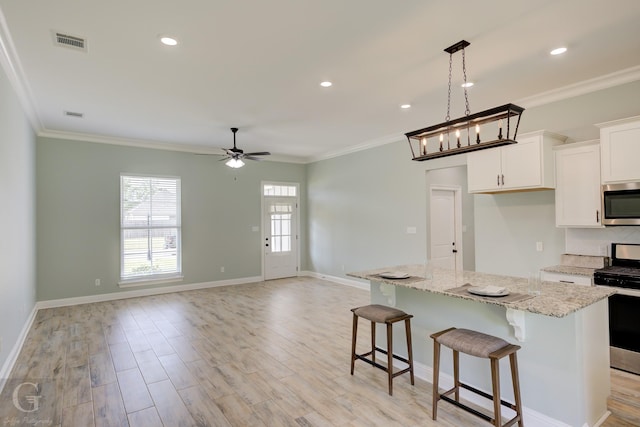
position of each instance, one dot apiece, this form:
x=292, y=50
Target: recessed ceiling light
x=558, y=51
x=405, y=106
x=467, y=84
x=326, y=84
x=169, y=41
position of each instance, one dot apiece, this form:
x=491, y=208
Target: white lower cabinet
x=578, y=201
x=548, y=276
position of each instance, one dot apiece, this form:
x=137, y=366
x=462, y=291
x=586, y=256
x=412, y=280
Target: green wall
x=78, y=213
x=17, y=216
x=360, y=204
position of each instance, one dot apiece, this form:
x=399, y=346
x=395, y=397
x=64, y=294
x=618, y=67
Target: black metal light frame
x=492, y=122
x=509, y=113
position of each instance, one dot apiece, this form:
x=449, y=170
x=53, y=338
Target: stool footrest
x=444, y=396
x=363, y=357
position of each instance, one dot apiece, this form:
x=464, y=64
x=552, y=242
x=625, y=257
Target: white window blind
x=150, y=227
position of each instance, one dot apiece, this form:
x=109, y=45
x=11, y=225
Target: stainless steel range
x=624, y=306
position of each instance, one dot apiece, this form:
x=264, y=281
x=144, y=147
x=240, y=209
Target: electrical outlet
x=221, y=269
x=97, y=282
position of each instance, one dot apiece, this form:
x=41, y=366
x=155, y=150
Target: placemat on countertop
x=512, y=297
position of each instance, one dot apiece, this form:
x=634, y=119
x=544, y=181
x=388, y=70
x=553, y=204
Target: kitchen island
x=564, y=359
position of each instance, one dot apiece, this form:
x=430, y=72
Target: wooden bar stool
x=376, y=313
x=479, y=345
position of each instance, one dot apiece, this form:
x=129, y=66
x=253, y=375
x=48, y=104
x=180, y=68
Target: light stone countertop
x=555, y=300
x=578, y=265
x=570, y=269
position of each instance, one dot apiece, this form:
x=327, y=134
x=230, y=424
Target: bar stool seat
x=377, y=313
x=484, y=346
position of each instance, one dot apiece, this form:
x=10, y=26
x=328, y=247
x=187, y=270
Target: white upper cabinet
x=527, y=165
x=578, y=185
x=620, y=150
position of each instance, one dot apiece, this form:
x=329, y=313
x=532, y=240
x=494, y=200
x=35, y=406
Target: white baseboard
x=15, y=350
x=143, y=292
x=340, y=280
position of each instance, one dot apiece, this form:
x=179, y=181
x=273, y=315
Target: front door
x=280, y=237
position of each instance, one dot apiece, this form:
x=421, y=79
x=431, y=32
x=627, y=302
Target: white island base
x=563, y=362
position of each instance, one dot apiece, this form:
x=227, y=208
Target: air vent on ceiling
x=73, y=114
x=72, y=42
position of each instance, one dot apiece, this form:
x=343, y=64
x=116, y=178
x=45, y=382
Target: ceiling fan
x=235, y=155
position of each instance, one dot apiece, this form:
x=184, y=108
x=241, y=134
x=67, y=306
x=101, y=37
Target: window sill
x=157, y=280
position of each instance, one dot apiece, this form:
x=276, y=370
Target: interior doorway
x=445, y=230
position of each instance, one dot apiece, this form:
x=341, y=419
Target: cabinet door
x=620, y=148
x=521, y=164
x=483, y=169
x=578, y=187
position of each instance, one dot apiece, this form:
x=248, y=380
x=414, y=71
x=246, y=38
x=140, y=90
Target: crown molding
x=10, y=62
x=388, y=139
x=617, y=78
x=154, y=145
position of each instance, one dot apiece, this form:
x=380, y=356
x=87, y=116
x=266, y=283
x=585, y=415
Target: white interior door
x=445, y=230
x=280, y=237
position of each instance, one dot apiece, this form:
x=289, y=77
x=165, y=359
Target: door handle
x=266, y=244
x=455, y=251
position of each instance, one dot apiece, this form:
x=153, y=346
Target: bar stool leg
x=516, y=386
x=495, y=379
x=436, y=377
x=353, y=342
x=407, y=328
x=390, y=357
x=373, y=342
x=456, y=374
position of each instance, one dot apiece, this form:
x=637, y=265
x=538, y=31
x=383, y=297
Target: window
x=150, y=245
x=280, y=214
x=279, y=190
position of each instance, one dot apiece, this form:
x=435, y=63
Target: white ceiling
x=257, y=65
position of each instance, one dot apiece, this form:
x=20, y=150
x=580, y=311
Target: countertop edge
x=537, y=305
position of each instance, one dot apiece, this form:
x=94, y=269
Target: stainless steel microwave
x=621, y=204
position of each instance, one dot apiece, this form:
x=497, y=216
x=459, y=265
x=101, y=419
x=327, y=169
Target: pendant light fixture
x=490, y=128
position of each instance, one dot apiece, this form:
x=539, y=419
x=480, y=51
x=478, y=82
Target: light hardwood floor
x=267, y=354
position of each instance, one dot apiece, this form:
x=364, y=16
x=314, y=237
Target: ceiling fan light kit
x=490, y=128
x=235, y=155
x=235, y=163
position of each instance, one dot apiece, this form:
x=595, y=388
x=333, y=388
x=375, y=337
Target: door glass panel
x=281, y=227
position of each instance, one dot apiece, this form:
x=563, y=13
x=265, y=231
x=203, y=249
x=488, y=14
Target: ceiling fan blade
x=252, y=158
x=258, y=153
